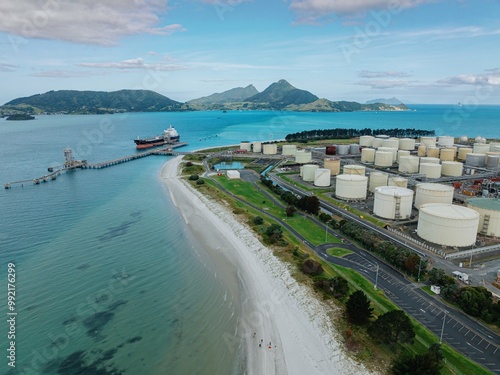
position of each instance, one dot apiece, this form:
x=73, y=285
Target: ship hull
x=155, y=142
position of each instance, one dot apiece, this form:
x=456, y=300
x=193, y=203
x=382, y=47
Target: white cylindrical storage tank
x=447, y=224
x=487, y=207
x=428, y=141
x=270, y=149
x=351, y=186
x=407, y=144
x=446, y=141
x=475, y=160
x=447, y=154
x=377, y=179
x=402, y=153
x=354, y=149
x=462, y=153
x=257, y=147
x=333, y=165
x=494, y=146
x=360, y=170
x=366, y=140
x=430, y=170
x=433, y=193
x=368, y=155
x=408, y=164
x=342, y=149
x=377, y=142
x=308, y=172
x=390, y=149
x=245, y=145
x=422, y=150
x=303, y=156
x=481, y=148
x=432, y=152
x=289, y=150
x=427, y=159
x=451, y=168
x=398, y=181
x=393, y=202
x=391, y=142
x=383, y=158
x=322, y=177
x=493, y=161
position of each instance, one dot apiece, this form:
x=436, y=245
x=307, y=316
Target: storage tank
x=493, y=161
x=393, y=150
x=408, y=164
x=427, y=159
x=447, y=224
x=322, y=177
x=289, y=150
x=446, y=141
x=257, y=147
x=398, y=181
x=481, y=148
x=355, y=169
x=402, y=153
x=383, y=158
x=377, y=179
x=433, y=152
x=270, y=149
x=462, y=153
x=333, y=165
x=391, y=142
x=245, y=145
x=303, y=156
x=393, y=202
x=422, y=150
x=366, y=140
x=428, y=141
x=342, y=149
x=354, y=149
x=368, y=155
x=487, y=208
x=430, y=170
x=494, y=146
x=407, y=144
x=433, y=193
x=377, y=142
x=475, y=160
x=351, y=186
x=331, y=150
x=447, y=154
x=452, y=168
x=308, y=172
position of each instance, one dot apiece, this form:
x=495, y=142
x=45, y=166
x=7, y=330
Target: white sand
x=278, y=309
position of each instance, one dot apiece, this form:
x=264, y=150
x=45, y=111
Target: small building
x=233, y=175
x=461, y=276
x=436, y=289
x=241, y=151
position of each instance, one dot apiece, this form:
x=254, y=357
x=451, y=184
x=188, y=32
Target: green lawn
x=338, y=252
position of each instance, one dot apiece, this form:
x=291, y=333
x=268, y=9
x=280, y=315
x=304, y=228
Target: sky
x=420, y=51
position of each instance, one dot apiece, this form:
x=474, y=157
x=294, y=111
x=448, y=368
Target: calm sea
x=107, y=275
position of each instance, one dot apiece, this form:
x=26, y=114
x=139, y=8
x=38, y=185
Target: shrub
x=311, y=267
x=194, y=177
x=257, y=220
x=200, y=182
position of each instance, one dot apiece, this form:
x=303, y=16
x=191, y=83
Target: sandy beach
x=284, y=328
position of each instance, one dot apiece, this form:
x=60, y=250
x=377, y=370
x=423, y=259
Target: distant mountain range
x=391, y=101
x=279, y=95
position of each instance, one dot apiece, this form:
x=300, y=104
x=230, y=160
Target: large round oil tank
x=303, y=156
x=422, y=150
x=475, y=160
x=245, y=145
x=391, y=142
x=383, y=158
x=432, y=152
x=407, y=144
x=447, y=224
x=398, y=181
x=322, y=177
x=428, y=141
x=430, y=170
x=390, y=149
x=462, y=153
x=342, y=149
x=289, y=150
x=447, y=154
x=377, y=179
x=408, y=164
x=366, y=140
x=333, y=165
x=360, y=170
x=270, y=149
x=427, y=159
x=393, y=202
x=368, y=155
x=481, y=148
x=433, y=193
x=331, y=150
x=308, y=172
x=464, y=139
x=487, y=208
x=354, y=149
x=402, y=153
x=377, y=142
x=257, y=147
x=493, y=161
x=452, y=168
x=494, y=146
x=351, y=186
x=446, y=141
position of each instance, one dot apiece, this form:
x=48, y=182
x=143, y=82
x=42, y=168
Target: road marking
x=461, y=328
x=479, y=343
x=455, y=325
x=422, y=311
x=474, y=347
x=467, y=333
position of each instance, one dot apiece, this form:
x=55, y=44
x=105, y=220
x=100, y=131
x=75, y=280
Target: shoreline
x=275, y=308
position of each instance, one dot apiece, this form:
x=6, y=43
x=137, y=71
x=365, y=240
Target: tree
x=475, y=300
x=290, y=210
x=358, y=308
x=421, y=364
x=324, y=217
x=311, y=267
x=257, y=220
x=336, y=286
x=392, y=327
x=274, y=233
x=200, y=182
x=194, y=177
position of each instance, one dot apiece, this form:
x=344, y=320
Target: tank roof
x=351, y=177
x=492, y=204
x=449, y=211
x=434, y=187
x=396, y=191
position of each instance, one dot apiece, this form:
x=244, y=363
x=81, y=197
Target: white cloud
x=385, y=83
x=491, y=78
x=131, y=64
x=4, y=67
x=101, y=22
x=389, y=73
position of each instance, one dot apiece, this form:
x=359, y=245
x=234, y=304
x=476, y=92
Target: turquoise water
x=228, y=165
x=108, y=276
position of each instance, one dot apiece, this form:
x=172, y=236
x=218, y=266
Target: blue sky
x=421, y=51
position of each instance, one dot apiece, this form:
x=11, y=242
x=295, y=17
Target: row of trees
x=340, y=133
